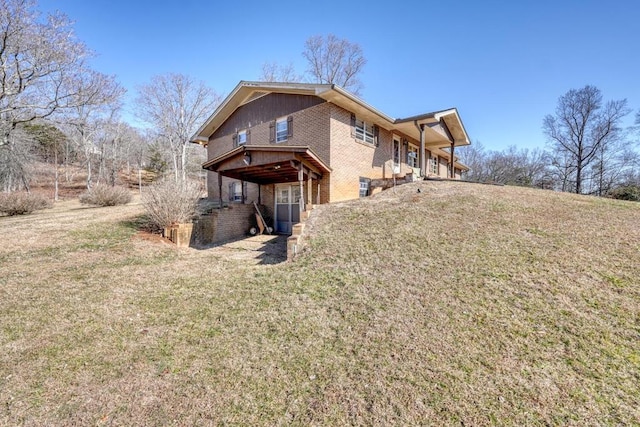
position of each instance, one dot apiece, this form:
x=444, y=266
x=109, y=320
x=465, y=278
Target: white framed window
x=282, y=197
x=364, y=131
x=412, y=156
x=435, y=163
x=241, y=139
x=396, y=152
x=282, y=129
x=365, y=185
x=235, y=191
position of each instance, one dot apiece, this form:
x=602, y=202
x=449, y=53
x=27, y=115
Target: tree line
x=55, y=108
x=588, y=150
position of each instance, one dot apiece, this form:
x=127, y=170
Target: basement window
x=365, y=185
x=235, y=191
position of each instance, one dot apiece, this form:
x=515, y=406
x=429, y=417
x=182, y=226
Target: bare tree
x=175, y=105
x=51, y=142
x=15, y=161
x=41, y=64
x=475, y=157
x=335, y=61
x=272, y=72
x=581, y=126
x=102, y=98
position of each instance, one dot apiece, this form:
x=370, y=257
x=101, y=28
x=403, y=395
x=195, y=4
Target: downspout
x=423, y=164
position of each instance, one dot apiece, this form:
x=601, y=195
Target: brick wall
x=352, y=159
x=223, y=224
x=326, y=129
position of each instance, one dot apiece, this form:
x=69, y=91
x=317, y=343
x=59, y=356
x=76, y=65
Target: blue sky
x=503, y=64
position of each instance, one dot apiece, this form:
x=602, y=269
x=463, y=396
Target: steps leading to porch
x=293, y=242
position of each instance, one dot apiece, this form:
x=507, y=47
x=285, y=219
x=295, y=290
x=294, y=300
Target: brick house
x=288, y=145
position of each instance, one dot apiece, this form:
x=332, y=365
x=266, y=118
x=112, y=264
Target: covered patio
x=297, y=166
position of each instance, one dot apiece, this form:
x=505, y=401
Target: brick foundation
x=221, y=225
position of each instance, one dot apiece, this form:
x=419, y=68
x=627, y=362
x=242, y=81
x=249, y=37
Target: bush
x=629, y=192
x=106, y=195
x=22, y=203
x=168, y=202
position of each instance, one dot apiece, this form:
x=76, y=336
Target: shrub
x=168, y=202
x=629, y=192
x=105, y=195
x=22, y=203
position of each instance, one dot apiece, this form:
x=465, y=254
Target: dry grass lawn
x=459, y=305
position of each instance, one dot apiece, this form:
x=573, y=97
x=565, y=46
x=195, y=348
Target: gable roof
x=247, y=91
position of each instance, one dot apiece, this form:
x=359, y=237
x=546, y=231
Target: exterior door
x=287, y=209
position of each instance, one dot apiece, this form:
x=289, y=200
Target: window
x=235, y=191
x=412, y=156
x=282, y=129
x=242, y=138
x=396, y=152
x=283, y=196
x=295, y=194
x=363, y=131
x=434, y=165
x=365, y=184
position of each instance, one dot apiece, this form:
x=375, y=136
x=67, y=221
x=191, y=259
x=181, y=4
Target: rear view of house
x=288, y=145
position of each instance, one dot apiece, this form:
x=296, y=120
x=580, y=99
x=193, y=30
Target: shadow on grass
x=266, y=249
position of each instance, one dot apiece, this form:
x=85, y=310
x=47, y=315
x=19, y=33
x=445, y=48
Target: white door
x=287, y=209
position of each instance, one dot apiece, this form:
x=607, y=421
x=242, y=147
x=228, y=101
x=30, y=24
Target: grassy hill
x=459, y=305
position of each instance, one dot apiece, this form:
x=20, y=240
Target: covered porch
x=294, y=174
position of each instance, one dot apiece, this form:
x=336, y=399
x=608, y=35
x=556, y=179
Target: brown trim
x=268, y=164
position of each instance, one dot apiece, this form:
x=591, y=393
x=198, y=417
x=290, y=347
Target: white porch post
x=423, y=163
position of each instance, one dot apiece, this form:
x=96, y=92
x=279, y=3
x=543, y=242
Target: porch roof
x=268, y=164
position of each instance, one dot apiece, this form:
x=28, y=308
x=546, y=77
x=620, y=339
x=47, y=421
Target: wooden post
x=301, y=181
x=452, y=170
x=318, y=195
x=423, y=163
x=259, y=194
x=220, y=189
x=242, y=188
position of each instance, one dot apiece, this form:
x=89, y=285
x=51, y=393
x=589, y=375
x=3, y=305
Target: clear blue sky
x=503, y=64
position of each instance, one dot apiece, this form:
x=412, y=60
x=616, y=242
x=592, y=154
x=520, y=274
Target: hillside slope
x=485, y=304
x=460, y=304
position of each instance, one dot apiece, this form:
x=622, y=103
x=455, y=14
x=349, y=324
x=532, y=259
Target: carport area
x=293, y=175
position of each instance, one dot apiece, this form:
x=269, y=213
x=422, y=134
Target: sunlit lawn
x=462, y=304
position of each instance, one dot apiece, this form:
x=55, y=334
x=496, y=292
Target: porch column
x=423, y=163
x=259, y=194
x=318, y=195
x=452, y=170
x=220, y=189
x=301, y=181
